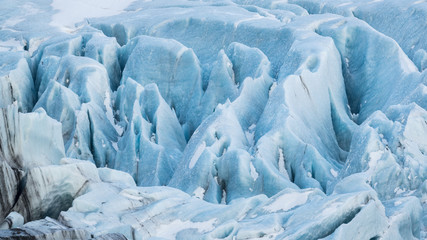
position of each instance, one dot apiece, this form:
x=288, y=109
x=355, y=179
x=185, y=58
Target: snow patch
x=398, y=191
x=287, y=201
x=71, y=12
x=131, y=194
x=237, y=23
x=281, y=163
x=254, y=173
x=273, y=86
x=374, y=157
x=199, y=193
x=333, y=172
x=10, y=45
x=197, y=154
x=169, y=231
x=250, y=137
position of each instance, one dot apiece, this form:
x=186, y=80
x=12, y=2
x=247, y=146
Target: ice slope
x=142, y=213
x=295, y=119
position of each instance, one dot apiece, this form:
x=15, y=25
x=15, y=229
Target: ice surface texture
x=300, y=119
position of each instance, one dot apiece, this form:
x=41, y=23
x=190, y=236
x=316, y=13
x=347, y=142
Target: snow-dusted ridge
x=297, y=119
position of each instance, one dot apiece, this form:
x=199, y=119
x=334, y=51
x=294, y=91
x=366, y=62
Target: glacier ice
x=174, y=69
x=233, y=119
x=156, y=137
x=16, y=78
x=19, y=133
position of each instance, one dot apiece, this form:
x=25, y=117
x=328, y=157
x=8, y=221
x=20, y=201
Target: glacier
x=230, y=119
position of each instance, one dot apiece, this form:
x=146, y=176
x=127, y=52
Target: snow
x=254, y=173
x=334, y=173
x=281, y=162
x=374, y=157
x=287, y=202
x=250, y=137
x=169, y=231
x=69, y=13
x=10, y=45
x=273, y=86
x=131, y=194
x=199, y=150
x=199, y=193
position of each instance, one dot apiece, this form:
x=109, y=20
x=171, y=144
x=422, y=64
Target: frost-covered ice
x=232, y=119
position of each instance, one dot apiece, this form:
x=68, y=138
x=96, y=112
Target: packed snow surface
x=233, y=119
x=68, y=13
